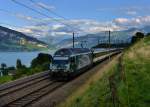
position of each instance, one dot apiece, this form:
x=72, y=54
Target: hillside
x=91, y=40
x=135, y=91
x=11, y=40
x=125, y=84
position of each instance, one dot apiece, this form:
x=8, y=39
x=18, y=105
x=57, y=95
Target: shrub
x=42, y=60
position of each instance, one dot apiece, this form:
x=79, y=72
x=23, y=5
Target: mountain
x=11, y=40
x=52, y=40
x=146, y=29
x=91, y=40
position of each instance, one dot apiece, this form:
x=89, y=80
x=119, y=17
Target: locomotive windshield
x=58, y=62
x=63, y=52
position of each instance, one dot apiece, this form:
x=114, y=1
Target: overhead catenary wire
x=15, y=26
x=56, y=14
x=23, y=17
x=40, y=13
x=53, y=12
x=18, y=15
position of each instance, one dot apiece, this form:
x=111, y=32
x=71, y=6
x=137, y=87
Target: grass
x=134, y=91
x=136, y=62
x=95, y=92
x=5, y=79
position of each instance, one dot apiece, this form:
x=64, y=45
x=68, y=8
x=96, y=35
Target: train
x=70, y=62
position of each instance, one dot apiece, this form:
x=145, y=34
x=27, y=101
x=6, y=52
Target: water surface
x=9, y=58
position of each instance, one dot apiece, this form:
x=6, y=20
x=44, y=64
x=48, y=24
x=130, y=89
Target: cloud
x=49, y=7
x=120, y=21
x=133, y=22
x=21, y=16
x=84, y=26
x=36, y=31
x=43, y=5
x=60, y=33
x=131, y=12
x=31, y=19
x=57, y=26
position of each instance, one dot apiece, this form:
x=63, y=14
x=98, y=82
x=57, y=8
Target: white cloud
x=121, y=20
x=43, y=5
x=84, y=26
x=21, y=16
x=60, y=33
x=57, y=26
x=133, y=22
x=131, y=12
x=36, y=31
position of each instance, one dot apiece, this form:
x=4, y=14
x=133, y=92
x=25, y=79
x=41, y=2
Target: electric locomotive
x=69, y=62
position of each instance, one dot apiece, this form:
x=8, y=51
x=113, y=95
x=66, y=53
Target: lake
x=9, y=58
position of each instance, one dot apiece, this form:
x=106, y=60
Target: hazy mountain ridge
x=11, y=40
x=91, y=40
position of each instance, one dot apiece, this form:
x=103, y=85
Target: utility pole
x=81, y=45
x=73, y=40
x=98, y=41
x=109, y=43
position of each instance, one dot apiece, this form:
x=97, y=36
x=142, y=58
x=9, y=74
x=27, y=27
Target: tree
x=148, y=34
x=42, y=60
x=3, y=68
x=18, y=64
x=137, y=37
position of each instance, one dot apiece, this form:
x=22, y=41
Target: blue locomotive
x=68, y=62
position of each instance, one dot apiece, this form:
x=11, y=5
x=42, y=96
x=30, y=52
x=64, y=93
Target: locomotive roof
x=71, y=51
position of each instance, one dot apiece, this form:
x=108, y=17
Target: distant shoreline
x=44, y=50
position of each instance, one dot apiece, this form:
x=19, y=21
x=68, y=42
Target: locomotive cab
x=60, y=63
x=67, y=62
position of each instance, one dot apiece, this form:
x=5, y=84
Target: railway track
x=17, y=87
x=18, y=94
x=28, y=91
x=35, y=95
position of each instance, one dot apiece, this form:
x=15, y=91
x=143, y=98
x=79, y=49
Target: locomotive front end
x=60, y=66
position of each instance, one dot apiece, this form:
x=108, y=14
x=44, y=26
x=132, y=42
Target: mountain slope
x=11, y=40
x=91, y=40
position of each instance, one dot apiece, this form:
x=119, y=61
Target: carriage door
x=73, y=63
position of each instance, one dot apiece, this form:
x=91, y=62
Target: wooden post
x=109, y=44
x=113, y=89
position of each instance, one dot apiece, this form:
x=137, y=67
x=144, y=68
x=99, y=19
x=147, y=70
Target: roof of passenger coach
x=72, y=51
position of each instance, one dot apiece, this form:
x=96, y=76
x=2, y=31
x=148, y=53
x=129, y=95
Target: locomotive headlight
x=53, y=67
x=67, y=67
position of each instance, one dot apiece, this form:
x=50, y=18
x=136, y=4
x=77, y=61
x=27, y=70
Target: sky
x=62, y=17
